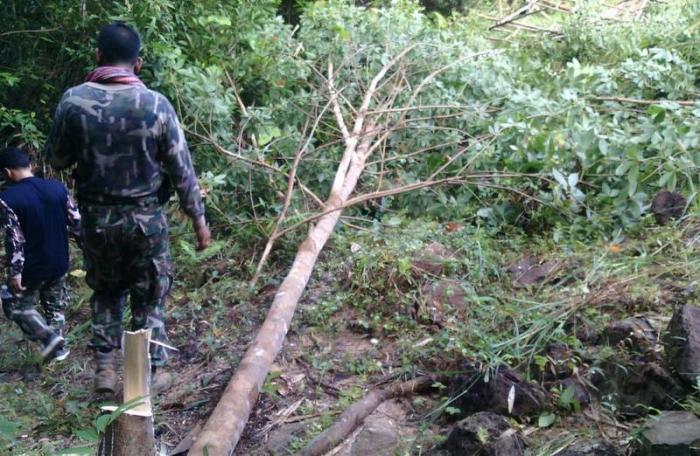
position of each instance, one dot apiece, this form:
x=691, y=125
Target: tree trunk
x=225, y=426
x=129, y=435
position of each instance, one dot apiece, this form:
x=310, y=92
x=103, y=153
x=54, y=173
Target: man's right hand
x=16, y=284
x=202, y=231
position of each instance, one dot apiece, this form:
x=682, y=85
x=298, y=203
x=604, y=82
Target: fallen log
x=356, y=414
x=370, y=130
x=223, y=430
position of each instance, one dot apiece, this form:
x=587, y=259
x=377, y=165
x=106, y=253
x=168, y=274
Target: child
x=36, y=215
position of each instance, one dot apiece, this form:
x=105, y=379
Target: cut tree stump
x=132, y=432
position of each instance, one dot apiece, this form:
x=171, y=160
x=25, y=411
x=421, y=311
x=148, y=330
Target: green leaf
x=267, y=133
x=88, y=435
x=8, y=430
x=102, y=422
x=546, y=419
x=572, y=180
x=622, y=168
x=632, y=178
x=452, y=410
x=559, y=177
x=566, y=399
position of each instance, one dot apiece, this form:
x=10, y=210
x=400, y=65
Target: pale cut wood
x=137, y=370
x=132, y=432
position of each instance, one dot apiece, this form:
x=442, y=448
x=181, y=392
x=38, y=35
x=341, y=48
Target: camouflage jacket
x=126, y=140
x=14, y=237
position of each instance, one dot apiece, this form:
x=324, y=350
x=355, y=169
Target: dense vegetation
x=550, y=144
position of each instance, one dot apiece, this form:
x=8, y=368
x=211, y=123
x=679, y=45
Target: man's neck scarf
x=113, y=75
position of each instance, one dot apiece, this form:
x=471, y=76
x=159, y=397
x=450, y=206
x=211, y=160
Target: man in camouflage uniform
x=36, y=215
x=126, y=141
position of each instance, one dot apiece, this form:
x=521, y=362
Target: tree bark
x=356, y=414
x=129, y=435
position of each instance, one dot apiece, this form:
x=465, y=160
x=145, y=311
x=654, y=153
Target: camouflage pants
x=21, y=308
x=127, y=254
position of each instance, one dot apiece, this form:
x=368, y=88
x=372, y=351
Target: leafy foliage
x=534, y=110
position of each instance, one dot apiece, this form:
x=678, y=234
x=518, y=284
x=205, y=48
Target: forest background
x=495, y=145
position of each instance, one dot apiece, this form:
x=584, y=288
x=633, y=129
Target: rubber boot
x=105, y=372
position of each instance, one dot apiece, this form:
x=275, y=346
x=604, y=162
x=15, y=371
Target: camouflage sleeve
x=59, y=149
x=73, y=215
x=176, y=159
x=14, y=240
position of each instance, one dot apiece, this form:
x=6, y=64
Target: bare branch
x=334, y=102
x=287, y=199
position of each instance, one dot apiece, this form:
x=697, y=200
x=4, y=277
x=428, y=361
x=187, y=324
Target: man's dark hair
x=13, y=158
x=118, y=43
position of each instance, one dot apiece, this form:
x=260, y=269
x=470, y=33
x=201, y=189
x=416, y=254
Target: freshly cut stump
x=132, y=432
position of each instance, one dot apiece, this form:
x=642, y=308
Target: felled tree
x=384, y=109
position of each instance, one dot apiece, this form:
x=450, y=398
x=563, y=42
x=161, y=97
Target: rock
x=640, y=384
x=560, y=363
x=667, y=205
x=161, y=382
x=671, y=434
x=379, y=437
x=530, y=270
x=280, y=439
x=529, y=398
x=382, y=433
x=486, y=434
x=682, y=341
x=591, y=448
x=581, y=394
x=441, y=299
x=584, y=329
x=635, y=333
x=432, y=259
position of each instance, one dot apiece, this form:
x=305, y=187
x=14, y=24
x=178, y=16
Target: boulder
x=635, y=333
x=492, y=395
x=591, y=448
x=682, y=343
x=485, y=434
x=670, y=434
x=642, y=384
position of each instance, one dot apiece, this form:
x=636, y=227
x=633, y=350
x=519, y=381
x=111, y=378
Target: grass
x=372, y=293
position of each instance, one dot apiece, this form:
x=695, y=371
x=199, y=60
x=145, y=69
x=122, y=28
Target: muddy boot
x=105, y=372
